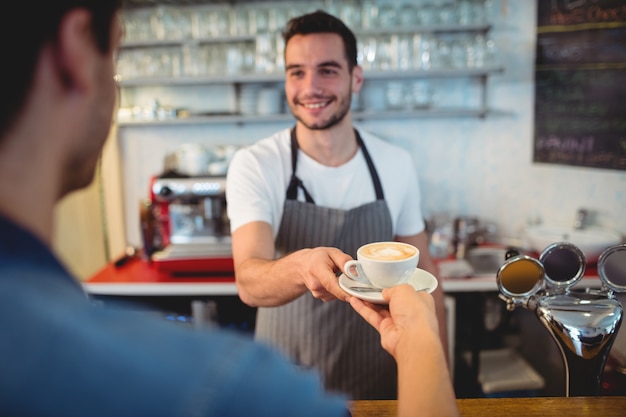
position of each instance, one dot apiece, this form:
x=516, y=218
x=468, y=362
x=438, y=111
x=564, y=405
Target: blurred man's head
x=58, y=91
x=29, y=26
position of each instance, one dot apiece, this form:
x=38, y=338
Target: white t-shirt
x=259, y=174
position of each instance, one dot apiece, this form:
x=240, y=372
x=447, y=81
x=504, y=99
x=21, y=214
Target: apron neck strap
x=378, y=188
x=295, y=182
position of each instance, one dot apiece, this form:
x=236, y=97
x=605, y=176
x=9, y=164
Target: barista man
x=303, y=200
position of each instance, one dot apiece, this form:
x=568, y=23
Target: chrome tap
x=583, y=324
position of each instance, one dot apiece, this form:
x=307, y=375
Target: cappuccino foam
x=388, y=251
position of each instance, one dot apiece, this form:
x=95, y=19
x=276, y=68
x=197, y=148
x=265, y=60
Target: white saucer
x=419, y=280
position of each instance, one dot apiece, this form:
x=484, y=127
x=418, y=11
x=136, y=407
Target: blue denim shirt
x=60, y=355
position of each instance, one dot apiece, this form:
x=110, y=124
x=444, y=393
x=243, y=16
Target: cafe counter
x=512, y=407
x=140, y=278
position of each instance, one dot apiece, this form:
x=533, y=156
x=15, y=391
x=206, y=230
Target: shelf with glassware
x=434, y=28
x=146, y=61
x=358, y=116
x=257, y=78
x=394, y=54
x=426, y=111
x=418, y=111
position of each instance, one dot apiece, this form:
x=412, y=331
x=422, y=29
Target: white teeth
x=315, y=106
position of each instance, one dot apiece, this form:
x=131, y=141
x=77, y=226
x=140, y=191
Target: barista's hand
x=320, y=267
x=409, y=314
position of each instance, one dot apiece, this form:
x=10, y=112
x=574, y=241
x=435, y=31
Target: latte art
x=388, y=251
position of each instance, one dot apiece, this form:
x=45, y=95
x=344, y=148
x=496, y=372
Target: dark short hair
x=322, y=22
x=29, y=25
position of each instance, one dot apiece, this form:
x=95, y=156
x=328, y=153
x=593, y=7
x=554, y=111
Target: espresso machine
x=582, y=322
x=190, y=215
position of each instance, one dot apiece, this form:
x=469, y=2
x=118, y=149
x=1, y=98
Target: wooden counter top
x=512, y=407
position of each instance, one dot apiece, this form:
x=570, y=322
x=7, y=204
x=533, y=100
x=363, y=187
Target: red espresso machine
x=192, y=227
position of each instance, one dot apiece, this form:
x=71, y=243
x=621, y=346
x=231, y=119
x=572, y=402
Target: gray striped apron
x=330, y=337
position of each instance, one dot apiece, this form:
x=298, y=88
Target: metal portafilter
x=583, y=323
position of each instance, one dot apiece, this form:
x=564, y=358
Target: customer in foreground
x=60, y=354
x=409, y=332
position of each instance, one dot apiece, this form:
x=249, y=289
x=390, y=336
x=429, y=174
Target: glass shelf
x=155, y=43
x=441, y=28
x=358, y=116
x=237, y=79
x=279, y=77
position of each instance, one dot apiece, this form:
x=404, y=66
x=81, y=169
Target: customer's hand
x=409, y=313
x=409, y=332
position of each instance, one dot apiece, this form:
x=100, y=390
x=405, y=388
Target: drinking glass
x=369, y=15
x=175, y=22
x=217, y=59
x=458, y=54
x=385, y=53
x=421, y=93
x=201, y=22
x=188, y=55
x=248, y=50
x=240, y=25
x=126, y=64
x=278, y=17
x=428, y=44
x=265, y=53
x=259, y=19
x=396, y=95
x=447, y=13
x=368, y=48
x=279, y=57
x=479, y=11
x=479, y=48
x=407, y=15
x=427, y=15
x=169, y=64
x=441, y=58
x=220, y=21
x=387, y=16
x=350, y=13
x=404, y=52
x=234, y=58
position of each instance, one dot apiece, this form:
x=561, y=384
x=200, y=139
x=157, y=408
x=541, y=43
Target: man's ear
x=75, y=47
x=357, y=79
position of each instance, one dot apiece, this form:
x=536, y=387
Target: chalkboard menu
x=580, y=83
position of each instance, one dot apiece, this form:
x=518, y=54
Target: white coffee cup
x=383, y=264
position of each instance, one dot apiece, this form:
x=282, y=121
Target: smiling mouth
x=316, y=105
